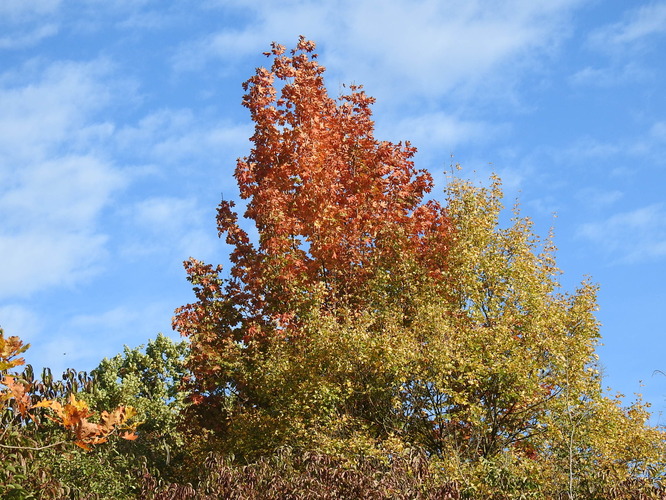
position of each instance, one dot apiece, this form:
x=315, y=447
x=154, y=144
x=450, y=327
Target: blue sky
x=120, y=123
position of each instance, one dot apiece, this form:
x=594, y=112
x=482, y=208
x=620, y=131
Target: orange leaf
x=130, y=436
x=18, y=391
x=83, y=445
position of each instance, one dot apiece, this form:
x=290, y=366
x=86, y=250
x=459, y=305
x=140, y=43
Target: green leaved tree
x=149, y=378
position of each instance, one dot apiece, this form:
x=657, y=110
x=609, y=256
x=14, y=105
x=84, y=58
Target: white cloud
x=91, y=16
x=423, y=46
x=25, y=23
x=56, y=180
x=177, y=136
x=118, y=4
x=406, y=53
x=27, y=39
x=83, y=340
x=640, y=23
x=599, y=199
x=67, y=192
x=193, y=56
x=46, y=107
x=54, y=183
x=632, y=236
x=435, y=46
x=649, y=144
x=87, y=338
x=175, y=226
x=440, y=130
x=48, y=234
x=609, y=76
x=658, y=132
x=17, y=10
x=33, y=261
x=20, y=321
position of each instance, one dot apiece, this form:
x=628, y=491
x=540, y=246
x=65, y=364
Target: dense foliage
x=70, y=452
x=341, y=224
x=367, y=343
x=366, y=321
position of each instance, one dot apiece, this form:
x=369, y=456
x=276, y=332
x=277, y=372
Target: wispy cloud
x=92, y=16
x=18, y=320
x=48, y=235
x=646, y=144
x=71, y=344
x=24, y=23
x=632, y=236
x=434, y=47
x=57, y=179
x=447, y=57
x=658, y=132
x=53, y=182
x=34, y=261
x=171, y=136
x=638, y=24
x=28, y=38
x=610, y=76
x=599, y=199
x=47, y=107
x=227, y=45
x=439, y=47
x=180, y=225
x=439, y=129
x=21, y=10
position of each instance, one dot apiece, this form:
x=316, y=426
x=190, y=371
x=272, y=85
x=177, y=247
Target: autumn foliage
x=10, y=348
x=333, y=206
x=360, y=319
x=73, y=415
x=366, y=342
x=337, y=212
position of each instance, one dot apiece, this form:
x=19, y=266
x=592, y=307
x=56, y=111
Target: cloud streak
x=178, y=225
x=12, y=11
x=639, y=24
x=434, y=47
x=632, y=236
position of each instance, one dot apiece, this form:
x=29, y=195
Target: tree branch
x=32, y=448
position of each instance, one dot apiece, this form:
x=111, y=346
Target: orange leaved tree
x=341, y=222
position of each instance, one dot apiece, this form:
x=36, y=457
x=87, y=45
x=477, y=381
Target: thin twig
x=33, y=448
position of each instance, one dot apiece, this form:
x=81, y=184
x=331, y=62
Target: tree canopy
x=366, y=319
